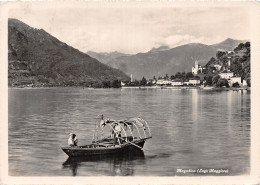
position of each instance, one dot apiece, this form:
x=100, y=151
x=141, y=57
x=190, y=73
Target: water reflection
x=116, y=164
x=191, y=129
x=194, y=95
x=195, y=99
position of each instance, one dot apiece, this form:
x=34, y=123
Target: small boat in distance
x=135, y=132
x=207, y=88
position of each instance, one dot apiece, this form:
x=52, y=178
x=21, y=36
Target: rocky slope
x=36, y=57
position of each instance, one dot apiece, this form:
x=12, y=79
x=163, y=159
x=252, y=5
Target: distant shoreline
x=140, y=87
x=190, y=87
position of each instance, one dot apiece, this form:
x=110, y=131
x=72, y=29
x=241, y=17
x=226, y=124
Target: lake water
x=191, y=128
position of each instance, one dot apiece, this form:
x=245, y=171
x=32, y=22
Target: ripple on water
x=191, y=129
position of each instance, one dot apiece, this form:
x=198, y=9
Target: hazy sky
x=133, y=30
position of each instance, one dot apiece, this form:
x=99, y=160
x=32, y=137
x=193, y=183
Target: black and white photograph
x=143, y=90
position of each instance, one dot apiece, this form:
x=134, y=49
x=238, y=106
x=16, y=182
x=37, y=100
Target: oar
x=131, y=143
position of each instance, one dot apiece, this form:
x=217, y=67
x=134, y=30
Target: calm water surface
x=191, y=128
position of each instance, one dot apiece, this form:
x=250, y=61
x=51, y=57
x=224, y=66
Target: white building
x=195, y=69
x=177, y=83
x=163, y=82
x=233, y=80
x=132, y=80
x=244, y=83
x=186, y=83
x=194, y=82
x=230, y=54
x=200, y=69
x=226, y=75
x=122, y=83
x=217, y=66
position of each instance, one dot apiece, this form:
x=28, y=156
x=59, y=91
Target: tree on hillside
x=189, y=75
x=106, y=84
x=236, y=66
x=210, y=66
x=166, y=77
x=178, y=75
x=235, y=84
x=222, y=82
x=143, y=82
x=247, y=44
x=209, y=80
x=183, y=74
x=172, y=77
x=97, y=84
x=197, y=77
x=239, y=47
x=240, y=64
x=136, y=83
x=248, y=82
x=211, y=61
x=220, y=54
x=116, y=84
x=215, y=79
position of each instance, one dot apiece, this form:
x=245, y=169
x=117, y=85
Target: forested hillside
x=37, y=58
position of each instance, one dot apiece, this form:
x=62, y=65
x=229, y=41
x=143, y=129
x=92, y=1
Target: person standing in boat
x=102, y=122
x=72, y=141
x=117, y=133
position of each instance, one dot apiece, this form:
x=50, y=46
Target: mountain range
x=36, y=57
x=164, y=60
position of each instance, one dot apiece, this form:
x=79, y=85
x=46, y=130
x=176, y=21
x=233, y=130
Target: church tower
x=195, y=69
x=196, y=64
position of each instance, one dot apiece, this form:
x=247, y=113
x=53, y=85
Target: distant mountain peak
x=106, y=57
x=196, y=44
x=228, y=44
x=161, y=48
x=228, y=39
x=162, y=60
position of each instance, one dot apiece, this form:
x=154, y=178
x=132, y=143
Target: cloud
x=133, y=30
x=184, y=39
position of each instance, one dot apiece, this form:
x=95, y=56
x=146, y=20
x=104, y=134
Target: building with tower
x=197, y=68
x=230, y=54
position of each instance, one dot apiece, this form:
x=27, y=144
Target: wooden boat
x=111, y=144
x=115, y=161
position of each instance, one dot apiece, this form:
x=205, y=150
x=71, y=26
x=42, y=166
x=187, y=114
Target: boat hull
x=81, y=151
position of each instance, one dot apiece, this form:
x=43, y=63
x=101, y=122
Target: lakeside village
x=192, y=79
x=220, y=76
x=199, y=78
x=229, y=69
